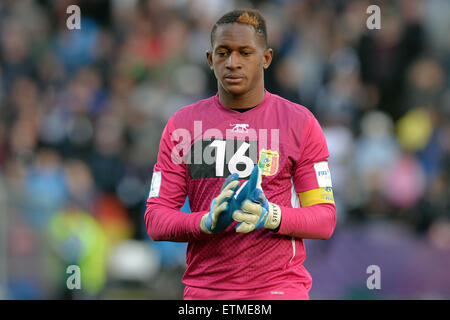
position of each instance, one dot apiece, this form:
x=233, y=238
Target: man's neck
x=247, y=100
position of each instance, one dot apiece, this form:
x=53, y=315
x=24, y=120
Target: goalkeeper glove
x=219, y=218
x=220, y=215
x=256, y=211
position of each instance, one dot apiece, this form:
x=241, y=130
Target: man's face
x=238, y=58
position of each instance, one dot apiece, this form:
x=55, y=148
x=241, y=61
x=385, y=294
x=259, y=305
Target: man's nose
x=233, y=61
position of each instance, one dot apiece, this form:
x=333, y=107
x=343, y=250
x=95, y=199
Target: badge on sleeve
x=323, y=174
x=156, y=184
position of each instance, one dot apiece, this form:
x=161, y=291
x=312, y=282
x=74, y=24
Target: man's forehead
x=235, y=34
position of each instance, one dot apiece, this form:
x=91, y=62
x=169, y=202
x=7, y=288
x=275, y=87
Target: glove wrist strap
x=203, y=224
x=274, y=218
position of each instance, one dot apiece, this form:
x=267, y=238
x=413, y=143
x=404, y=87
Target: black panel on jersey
x=205, y=159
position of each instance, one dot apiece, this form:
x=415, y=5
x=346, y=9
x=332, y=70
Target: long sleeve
x=314, y=222
x=316, y=218
x=163, y=219
x=165, y=224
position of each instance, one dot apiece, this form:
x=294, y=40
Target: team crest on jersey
x=268, y=162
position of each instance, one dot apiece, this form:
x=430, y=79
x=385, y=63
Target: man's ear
x=209, y=59
x=268, y=56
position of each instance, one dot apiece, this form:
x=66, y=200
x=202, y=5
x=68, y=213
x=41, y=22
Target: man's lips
x=233, y=78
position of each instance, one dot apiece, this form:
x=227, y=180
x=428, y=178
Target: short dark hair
x=246, y=16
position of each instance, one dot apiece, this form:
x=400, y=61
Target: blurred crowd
x=82, y=112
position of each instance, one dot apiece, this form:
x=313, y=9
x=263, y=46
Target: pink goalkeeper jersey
x=200, y=146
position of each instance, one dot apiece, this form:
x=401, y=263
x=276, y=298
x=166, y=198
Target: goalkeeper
x=255, y=169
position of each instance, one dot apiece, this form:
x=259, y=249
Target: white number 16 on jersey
x=238, y=157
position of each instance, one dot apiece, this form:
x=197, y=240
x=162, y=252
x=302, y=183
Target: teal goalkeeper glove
x=220, y=215
x=256, y=211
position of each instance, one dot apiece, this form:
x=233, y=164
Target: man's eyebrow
x=224, y=46
x=246, y=47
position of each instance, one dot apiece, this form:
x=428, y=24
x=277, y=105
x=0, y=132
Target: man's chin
x=236, y=90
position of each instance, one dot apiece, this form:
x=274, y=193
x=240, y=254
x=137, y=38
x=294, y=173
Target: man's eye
x=221, y=53
x=244, y=53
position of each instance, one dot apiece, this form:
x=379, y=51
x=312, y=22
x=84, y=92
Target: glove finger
x=248, y=186
x=244, y=227
x=253, y=180
x=241, y=194
x=231, y=178
x=228, y=188
x=216, y=213
x=258, y=196
x=224, y=196
x=245, y=217
x=259, y=178
x=252, y=208
x=234, y=185
x=235, y=188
